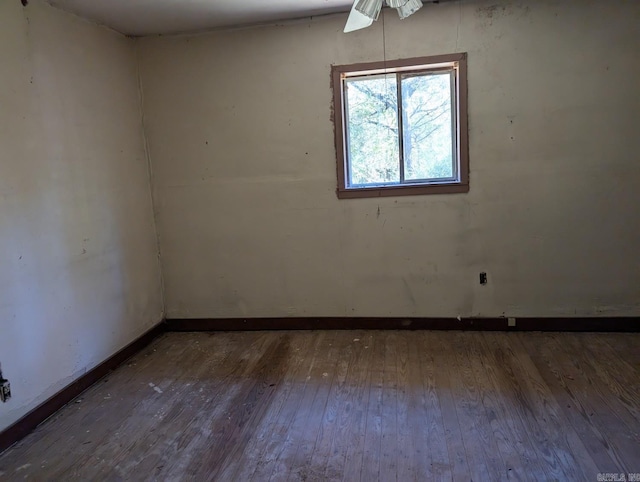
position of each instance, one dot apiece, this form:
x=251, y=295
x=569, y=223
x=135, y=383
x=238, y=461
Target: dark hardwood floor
x=351, y=405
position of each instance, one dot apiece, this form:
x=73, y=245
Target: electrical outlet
x=511, y=322
x=5, y=388
x=5, y=391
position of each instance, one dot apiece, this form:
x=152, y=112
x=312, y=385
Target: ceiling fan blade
x=397, y=3
x=356, y=20
x=369, y=8
x=409, y=8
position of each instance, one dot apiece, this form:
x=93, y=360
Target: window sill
x=402, y=191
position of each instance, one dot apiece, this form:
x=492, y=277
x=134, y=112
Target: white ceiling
x=150, y=17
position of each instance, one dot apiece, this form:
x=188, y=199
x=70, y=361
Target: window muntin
x=402, y=127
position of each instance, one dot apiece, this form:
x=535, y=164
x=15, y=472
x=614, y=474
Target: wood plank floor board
x=349, y=410
x=311, y=423
x=178, y=438
x=389, y=412
x=246, y=410
x=444, y=372
x=430, y=443
x=173, y=407
x=480, y=445
x=580, y=395
x=625, y=346
x=572, y=457
x=513, y=437
x=158, y=418
x=99, y=415
x=611, y=369
x=296, y=428
x=538, y=410
x=355, y=431
x=621, y=395
x=269, y=437
x=513, y=462
x=411, y=460
x=143, y=417
x=49, y=435
x=370, y=469
x=322, y=449
x=219, y=389
x=556, y=372
x=351, y=405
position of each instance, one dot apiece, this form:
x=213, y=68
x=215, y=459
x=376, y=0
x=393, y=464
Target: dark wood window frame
x=460, y=185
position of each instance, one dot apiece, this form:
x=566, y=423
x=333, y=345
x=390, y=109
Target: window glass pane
x=372, y=130
x=427, y=126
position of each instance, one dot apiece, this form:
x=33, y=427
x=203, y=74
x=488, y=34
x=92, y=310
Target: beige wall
x=244, y=165
x=79, y=276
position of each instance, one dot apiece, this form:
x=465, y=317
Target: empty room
x=377, y=240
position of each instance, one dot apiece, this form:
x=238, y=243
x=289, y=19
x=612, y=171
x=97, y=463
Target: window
x=401, y=127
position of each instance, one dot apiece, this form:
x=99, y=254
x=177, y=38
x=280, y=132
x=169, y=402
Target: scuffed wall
x=79, y=275
x=244, y=164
